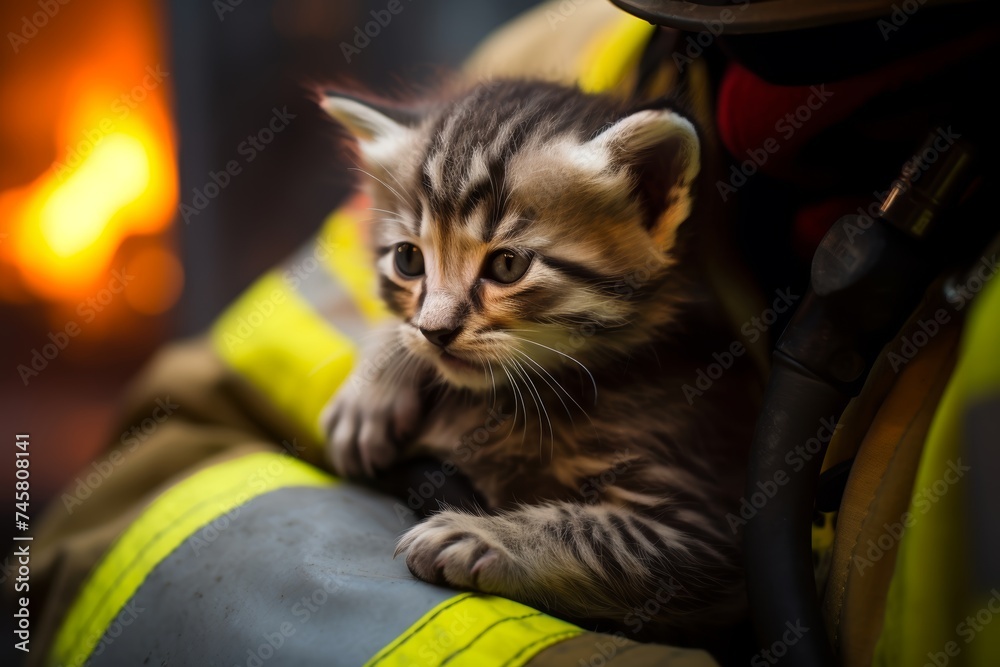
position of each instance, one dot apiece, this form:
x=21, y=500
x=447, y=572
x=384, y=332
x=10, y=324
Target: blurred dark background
x=114, y=116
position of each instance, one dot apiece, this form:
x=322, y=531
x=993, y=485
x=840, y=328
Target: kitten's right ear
x=661, y=149
x=379, y=130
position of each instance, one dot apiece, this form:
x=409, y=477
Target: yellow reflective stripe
x=349, y=260
x=929, y=595
x=613, y=56
x=475, y=631
x=272, y=337
x=168, y=521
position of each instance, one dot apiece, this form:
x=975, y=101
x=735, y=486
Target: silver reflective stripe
x=306, y=273
x=297, y=577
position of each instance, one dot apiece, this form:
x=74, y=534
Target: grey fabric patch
x=298, y=577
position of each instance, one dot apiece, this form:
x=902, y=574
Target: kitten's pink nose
x=440, y=337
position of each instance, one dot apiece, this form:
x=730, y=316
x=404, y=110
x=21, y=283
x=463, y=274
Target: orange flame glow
x=113, y=171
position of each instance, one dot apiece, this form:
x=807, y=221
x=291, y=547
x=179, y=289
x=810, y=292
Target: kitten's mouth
x=455, y=368
x=456, y=362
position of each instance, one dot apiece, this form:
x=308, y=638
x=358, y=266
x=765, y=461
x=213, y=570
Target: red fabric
x=770, y=124
x=751, y=110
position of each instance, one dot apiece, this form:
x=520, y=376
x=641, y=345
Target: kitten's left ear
x=662, y=151
x=379, y=130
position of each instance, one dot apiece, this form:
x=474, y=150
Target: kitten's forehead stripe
x=488, y=127
x=476, y=195
x=498, y=178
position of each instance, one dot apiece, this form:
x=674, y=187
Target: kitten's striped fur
x=603, y=484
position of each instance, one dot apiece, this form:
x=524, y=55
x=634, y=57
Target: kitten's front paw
x=457, y=550
x=367, y=427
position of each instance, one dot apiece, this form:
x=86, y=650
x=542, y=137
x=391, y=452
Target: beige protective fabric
x=210, y=420
x=546, y=42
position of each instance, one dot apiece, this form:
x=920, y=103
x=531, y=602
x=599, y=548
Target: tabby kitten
x=529, y=237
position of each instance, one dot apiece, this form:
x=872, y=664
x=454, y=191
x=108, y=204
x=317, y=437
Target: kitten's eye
x=507, y=266
x=409, y=260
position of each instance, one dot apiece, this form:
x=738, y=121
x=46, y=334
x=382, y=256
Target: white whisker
x=543, y=412
x=387, y=186
x=557, y=388
x=575, y=361
x=393, y=176
x=517, y=394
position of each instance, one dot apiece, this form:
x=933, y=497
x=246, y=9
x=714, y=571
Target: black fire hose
x=868, y=275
